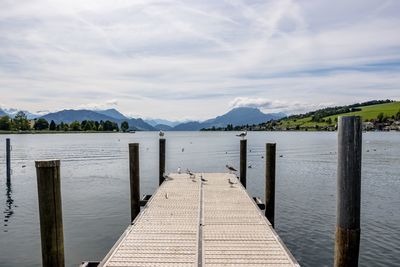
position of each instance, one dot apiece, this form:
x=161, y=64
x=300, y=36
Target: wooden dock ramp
x=189, y=222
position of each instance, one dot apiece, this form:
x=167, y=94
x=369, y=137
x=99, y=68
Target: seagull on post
x=242, y=134
x=161, y=134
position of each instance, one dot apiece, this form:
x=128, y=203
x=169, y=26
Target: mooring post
x=162, y=160
x=243, y=161
x=270, y=162
x=50, y=212
x=134, y=179
x=347, y=242
x=8, y=159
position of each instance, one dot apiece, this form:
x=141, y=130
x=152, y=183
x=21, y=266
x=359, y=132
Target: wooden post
x=347, y=242
x=162, y=161
x=134, y=179
x=243, y=161
x=8, y=159
x=270, y=183
x=50, y=212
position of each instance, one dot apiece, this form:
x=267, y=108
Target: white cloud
x=269, y=105
x=173, y=58
x=112, y=103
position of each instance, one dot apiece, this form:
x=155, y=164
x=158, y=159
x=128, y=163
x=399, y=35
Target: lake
x=95, y=189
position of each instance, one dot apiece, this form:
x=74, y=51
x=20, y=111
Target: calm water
x=95, y=189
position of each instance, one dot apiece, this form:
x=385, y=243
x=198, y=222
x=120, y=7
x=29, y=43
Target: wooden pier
x=208, y=219
x=190, y=222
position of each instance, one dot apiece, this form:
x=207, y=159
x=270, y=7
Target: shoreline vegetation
x=377, y=115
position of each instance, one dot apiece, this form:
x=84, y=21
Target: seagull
x=230, y=168
x=167, y=178
x=242, y=134
x=166, y=195
x=191, y=174
x=203, y=179
x=232, y=182
x=183, y=149
x=179, y=170
x=161, y=134
x=250, y=166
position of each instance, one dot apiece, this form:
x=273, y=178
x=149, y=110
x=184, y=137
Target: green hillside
x=371, y=112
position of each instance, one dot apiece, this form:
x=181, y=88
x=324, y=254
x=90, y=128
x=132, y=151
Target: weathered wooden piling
x=8, y=159
x=347, y=241
x=162, y=160
x=243, y=161
x=50, y=212
x=270, y=161
x=134, y=179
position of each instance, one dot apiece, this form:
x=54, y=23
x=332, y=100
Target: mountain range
x=236, y=116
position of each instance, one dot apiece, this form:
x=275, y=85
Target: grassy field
x=367, y=113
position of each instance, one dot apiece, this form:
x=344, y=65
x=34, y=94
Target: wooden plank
x=235, y=231
x=166, y=232
x=192, y=223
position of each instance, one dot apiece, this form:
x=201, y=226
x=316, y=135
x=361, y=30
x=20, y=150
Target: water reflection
x=9, y=211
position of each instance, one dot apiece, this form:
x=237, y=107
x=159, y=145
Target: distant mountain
x=2, y=113
x=139, y=124
x=236, y=117
x=113, y=113
x=70, y=115
x=242, y=116
x=163, y=127
x=190, y=126
x=154, y=122
x=12, y=112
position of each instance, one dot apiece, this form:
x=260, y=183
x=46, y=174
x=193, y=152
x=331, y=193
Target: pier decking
x=188, y=222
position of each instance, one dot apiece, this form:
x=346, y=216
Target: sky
x=187, y=59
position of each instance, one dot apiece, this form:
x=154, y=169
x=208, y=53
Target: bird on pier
x=161, y=134
x=203, y=179
x=166, y=195
x=242, y=134
x=167, y=177
x=191, y=174
x=230, y=168
x=232, y=182
x=179, y=170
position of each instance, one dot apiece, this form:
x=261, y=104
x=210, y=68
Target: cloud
x=179, y=56
x=268, y=105
x=112, y=103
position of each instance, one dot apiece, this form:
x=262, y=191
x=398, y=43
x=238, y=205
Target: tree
x=75, y=126
x=124, y=126
x=398, y=115
x=329, y=121
x=87, y=125
x=5, y=123
x=41, y=124
x=65, y=127
x=21, y=121
x=52, y=126
x=380, y=117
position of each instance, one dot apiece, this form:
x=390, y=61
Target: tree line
x=21, y=123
